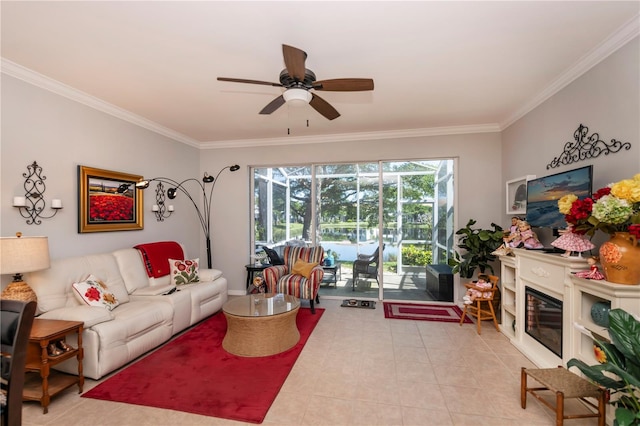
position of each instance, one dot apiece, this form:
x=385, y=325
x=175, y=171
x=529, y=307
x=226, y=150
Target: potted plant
x=478, y=245
x=621, y=358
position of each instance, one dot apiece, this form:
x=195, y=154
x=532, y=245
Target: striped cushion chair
x=280, y=279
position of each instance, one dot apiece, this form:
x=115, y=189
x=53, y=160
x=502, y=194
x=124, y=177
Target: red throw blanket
x=156, y=256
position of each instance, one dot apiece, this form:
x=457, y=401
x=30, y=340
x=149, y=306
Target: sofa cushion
x=94, y=292
x=133, y=320
x=131, y=267
x=90, y=315
x=53, y=285
x=184, y=271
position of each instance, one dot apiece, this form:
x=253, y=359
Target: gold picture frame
x=516, y=190
x=108, y=201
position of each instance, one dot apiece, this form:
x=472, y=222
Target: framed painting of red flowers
x=108, y=201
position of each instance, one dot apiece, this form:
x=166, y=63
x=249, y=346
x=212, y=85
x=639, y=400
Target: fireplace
x=543, y=320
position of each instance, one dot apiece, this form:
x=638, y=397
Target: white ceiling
x=437, y=64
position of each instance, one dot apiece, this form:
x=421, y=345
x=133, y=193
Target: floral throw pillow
x=94, y=292
x=184, y=271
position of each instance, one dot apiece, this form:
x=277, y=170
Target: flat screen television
x=543, y=195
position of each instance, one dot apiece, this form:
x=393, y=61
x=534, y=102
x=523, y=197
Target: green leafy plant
x=478, y=244
x=620, y=359
x=415, y=256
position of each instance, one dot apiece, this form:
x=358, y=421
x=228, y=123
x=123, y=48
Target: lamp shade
x=297, y=97
x=19, y=255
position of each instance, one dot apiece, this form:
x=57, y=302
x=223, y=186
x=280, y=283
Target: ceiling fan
x=298, y=82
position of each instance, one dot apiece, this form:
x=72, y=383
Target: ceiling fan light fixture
x=297, y=97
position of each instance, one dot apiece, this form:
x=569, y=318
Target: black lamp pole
x=205, y=219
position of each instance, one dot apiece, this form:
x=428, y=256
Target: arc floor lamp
x=204, y=214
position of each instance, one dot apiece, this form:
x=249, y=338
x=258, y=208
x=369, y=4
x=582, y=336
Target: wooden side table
x=41, y=387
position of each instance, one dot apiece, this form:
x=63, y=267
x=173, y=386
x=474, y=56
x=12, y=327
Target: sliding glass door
x=402, y=211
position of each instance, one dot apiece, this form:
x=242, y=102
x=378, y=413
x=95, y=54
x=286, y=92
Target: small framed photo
x=517, y=194
x=108, y=201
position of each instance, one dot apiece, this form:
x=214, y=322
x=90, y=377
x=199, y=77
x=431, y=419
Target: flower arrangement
x=614, y=208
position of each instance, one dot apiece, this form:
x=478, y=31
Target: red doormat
x=194, y=374
x=424, y=312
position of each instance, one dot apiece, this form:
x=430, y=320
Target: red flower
x=601, y=193
x=92, y=294
x=110, y=208
x=578, y=214
x=635, y=230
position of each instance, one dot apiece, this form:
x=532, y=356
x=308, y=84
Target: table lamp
x=19, y=255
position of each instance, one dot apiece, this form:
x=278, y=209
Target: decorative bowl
x=600, y=313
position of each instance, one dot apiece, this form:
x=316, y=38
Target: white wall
x=60, y=134
x=479, y=183
x=606, y=99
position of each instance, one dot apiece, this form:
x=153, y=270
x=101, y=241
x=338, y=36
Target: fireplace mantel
x=553, y=275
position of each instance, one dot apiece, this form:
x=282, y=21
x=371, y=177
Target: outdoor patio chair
x=366, y=266
x=298, y=276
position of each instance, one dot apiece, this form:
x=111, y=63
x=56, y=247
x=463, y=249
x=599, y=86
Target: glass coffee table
x=261, y=324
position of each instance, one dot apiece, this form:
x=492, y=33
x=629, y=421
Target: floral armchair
x=300, y=276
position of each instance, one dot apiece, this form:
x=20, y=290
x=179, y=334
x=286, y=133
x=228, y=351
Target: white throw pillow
x=94, y=292
x=184, y=271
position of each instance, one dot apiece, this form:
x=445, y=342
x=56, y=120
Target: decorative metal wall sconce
x=161, y=210
x=585, y=147
x=32, y=205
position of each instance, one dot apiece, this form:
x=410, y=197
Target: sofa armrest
x=272, y=274
x=209, y=274
x=90, y=315
x=317, y=273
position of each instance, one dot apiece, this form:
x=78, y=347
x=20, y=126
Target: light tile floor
x=359, y=368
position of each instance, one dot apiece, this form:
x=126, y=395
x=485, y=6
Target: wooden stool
x=566, y=385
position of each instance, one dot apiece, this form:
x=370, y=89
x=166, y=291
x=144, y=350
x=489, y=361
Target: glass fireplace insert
x=543, y=321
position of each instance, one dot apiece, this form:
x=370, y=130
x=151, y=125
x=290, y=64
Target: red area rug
x=424, y=312
x=194, y=374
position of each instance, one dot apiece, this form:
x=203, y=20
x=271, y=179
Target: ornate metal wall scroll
x=585, y=147
x=32, y=205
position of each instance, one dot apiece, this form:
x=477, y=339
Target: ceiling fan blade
x=273, y=105
x=323, y=107
x=344, y=84
x=242, y=80
x=294, y=60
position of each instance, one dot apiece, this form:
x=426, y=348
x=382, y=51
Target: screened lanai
x=402, y=208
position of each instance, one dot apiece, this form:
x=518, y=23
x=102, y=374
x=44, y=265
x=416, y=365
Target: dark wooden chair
x=15, y=321
x=366, y=266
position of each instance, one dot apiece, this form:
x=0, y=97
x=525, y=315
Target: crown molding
x=32, y=77
x=615, y=41
x=351, y=137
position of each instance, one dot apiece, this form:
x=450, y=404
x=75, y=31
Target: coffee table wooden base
x=261, y=336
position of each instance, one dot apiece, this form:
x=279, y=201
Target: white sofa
x=145, y=317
